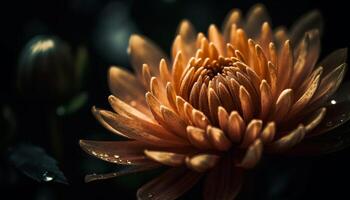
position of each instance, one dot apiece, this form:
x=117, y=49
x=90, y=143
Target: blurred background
x=41, y=124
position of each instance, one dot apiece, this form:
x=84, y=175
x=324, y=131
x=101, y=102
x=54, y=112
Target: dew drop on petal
x=47, y=177
x=329, y=124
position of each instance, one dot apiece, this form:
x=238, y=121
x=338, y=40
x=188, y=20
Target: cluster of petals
x=218, y=103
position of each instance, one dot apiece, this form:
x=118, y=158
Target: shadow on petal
x=170, y=185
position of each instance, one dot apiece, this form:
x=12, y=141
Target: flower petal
x=125, y=86
x=166, y=158
x=311, y=20
x=283, y=104
x=256, y=16
x=123, y=172
x=287, y=141
x=141, y=51
x=252, y=132
x=324, y=144
x=170, y=185
x=198, y=137
x=252, y=155
x=234, y=17
x=329, y=84
x=126, y=127
x=335, y=59
x=202, y=162
x=218, y=138
x=120, y=152
x=185, y=40
x=224, y=181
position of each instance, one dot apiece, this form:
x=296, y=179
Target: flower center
x=218, y=82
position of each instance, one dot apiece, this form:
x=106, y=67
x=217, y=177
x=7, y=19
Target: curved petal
x=311, y=20
x=185, y=41
x=338, y=111
x=132, y=129
x=170, y=185
x=234, y=17
x=143, y=50
x=333, y=60
x=324, y=144
x=329, y=85
x=287, y=141
x=202, y=162
x=123, y=172
x=256, y=16
x=252, y=155
x=120, y=152
x=127, y=87
x=166, y=158
x=224, y=181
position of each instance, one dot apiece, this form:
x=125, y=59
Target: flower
x=46, y=70
x=219, y=103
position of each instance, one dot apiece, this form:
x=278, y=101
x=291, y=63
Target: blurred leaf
x=7, y=125
x=73, y=105
x=81, y=64
x=35, y=163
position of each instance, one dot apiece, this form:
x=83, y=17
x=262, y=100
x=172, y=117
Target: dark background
x=103, y=28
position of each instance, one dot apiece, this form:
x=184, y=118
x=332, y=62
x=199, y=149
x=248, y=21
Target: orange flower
x=218, y=103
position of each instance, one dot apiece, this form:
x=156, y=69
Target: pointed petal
x=307, y=95
x=311, y=20
x=202, y=162
x=142, y=50
x=166, y=158
x=246, y=103
x=265, y=99
x=198, y=137
x=338, y=111
x=287, y=141
x=218, y=138
x=315, y=120
x=252, y=132
x=335, y=59
x=285, y=66
x=123, y=172
x=268, y=134
x=283, y=104
x=174, y=122
x=252, y=155
x=216, y=38
x=120, y=152
x=131, y=128
x=256, y=16
x=329, y=84
x=125, y=86
x=234, y=17
x=236, y=127
x=170, y=185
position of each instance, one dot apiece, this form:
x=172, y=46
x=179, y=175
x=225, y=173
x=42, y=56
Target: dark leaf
x=35, y=163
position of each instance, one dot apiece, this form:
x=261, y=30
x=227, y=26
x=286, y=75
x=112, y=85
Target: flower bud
x=46, y=70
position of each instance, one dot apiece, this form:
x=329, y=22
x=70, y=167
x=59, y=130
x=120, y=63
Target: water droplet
x=128, y=162
x=47, y=177
x=150, y=195
x=94, y=153
x=343, y=115
x=329, y=124
x=333, y=101
x=116, y=156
